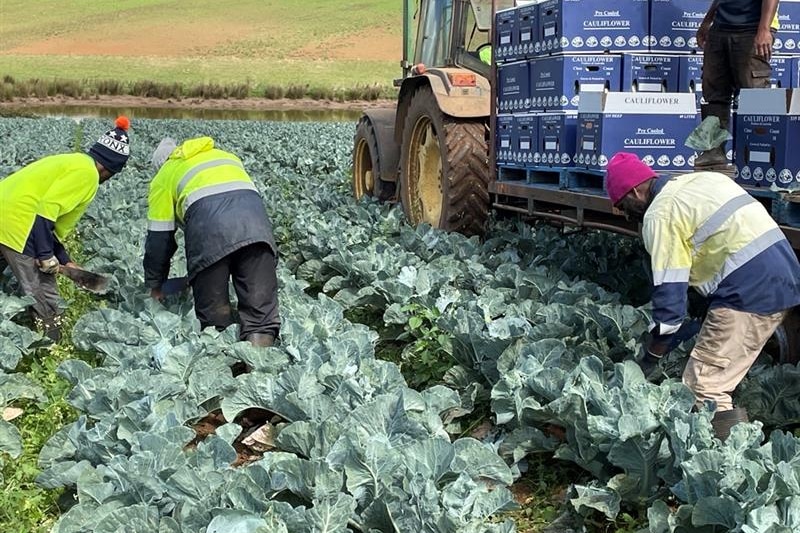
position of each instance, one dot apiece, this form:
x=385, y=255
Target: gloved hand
x=49, y=265
x=689, y=330
x=649, y=363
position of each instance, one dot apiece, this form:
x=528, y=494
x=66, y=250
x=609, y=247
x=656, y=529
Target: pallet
x=784, y=207
x=583, y=179
x=550, y=176
x=569, y=178
x=544, y=175
x=590, y=207
x=510, y=173
x=786, y=212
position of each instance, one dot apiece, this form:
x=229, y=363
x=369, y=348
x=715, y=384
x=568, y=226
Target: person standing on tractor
x=41, y=204
x=703, y=230
x=736, y=37
x=227, y=232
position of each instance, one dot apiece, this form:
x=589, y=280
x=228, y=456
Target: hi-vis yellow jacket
x=58, y=188
x=208, y=192
x=703, y=230
x=193, y=171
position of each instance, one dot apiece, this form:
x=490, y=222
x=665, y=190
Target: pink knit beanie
x=625, y=171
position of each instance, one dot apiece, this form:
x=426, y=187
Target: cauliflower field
x=396, y=343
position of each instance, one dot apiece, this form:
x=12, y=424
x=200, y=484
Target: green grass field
x=329, y=44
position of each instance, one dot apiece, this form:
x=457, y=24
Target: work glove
x=650, y=365
x=49, y=265
x=689, y=330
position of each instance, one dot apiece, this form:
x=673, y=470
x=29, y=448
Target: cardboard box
x=653, y=126
x=767, y=136
x=506, y=44
x=526, y=139
x=513, y=88
x=558, y=81
x=794, y=69
x=650, y=73
x=781, y=77
x=504, y=137
x=690, y=76
x=674, y=23
x=787, y=40
x=593, y=26
x=557, y=139
x=528, y=21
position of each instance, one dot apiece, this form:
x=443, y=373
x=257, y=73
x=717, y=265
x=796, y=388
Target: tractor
x=432, y=152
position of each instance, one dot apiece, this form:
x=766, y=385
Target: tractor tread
x=467, y=157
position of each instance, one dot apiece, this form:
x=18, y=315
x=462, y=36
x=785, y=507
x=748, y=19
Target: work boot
x=261, y=340
x=723, y=421
x=712, y=159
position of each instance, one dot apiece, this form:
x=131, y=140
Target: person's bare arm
x=763, y=42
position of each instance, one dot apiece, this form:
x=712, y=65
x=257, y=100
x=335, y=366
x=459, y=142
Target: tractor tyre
x=444, y=168
x=784, y=344
x=367, y=179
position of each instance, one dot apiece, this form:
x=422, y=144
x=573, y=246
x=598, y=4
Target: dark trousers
x=255, y=281
x=730, y=64
x=33, y=282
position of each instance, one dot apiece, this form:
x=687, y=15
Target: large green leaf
x=232, y=521
x=10, y=439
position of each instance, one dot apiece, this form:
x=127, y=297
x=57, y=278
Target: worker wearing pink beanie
x=704, y=231
x=626, y=173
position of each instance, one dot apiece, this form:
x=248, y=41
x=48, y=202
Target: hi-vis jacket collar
x=192, y=147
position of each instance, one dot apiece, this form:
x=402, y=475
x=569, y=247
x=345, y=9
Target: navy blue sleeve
x=42, y=242
x=669, y=310
x=60, y=252
x=159, y=248
x=669, y=306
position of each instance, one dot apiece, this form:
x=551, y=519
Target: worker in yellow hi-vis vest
x=227, y=235
x=41, y=204
x=736, y=37
x=704, y=231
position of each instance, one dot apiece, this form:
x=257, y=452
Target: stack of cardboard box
x=581, y=79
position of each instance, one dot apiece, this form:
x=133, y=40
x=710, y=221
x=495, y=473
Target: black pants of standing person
x=255, y=282
x=730, y=64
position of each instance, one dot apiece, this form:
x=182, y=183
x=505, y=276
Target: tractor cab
x=449, y=33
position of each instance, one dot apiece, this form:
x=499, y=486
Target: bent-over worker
x=227, y=234
x=41, y=204
x=703, y=230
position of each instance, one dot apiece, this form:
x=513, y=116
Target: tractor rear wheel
x=367, y=179
x=784, y=345
x=444, y=168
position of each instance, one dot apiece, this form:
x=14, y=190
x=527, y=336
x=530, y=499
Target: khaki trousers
x=727, y=346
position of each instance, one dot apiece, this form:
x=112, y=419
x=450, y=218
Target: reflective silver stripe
x=716, y=220
x=211, y=190
x=194, y=171
x=671, y=275
x=161, y=225
x=737, y=259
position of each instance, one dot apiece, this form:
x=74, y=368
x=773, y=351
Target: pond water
x=89, y=111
